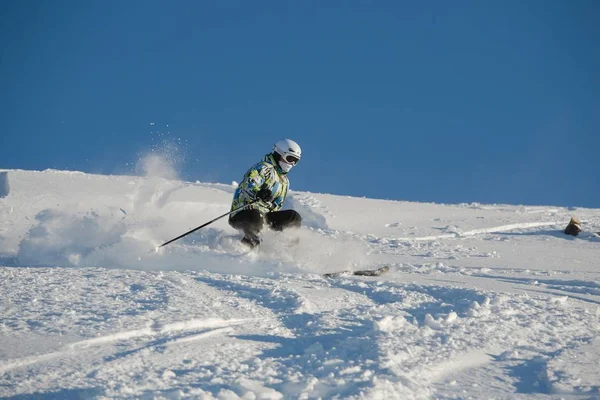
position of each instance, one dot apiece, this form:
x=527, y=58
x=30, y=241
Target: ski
x=363, y=272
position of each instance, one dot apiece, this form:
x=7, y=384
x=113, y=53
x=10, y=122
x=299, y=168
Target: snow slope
x=482, y=301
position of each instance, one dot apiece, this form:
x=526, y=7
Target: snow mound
x=474, y=294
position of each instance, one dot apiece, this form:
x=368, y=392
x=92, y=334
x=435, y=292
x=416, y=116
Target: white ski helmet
x=289, y=151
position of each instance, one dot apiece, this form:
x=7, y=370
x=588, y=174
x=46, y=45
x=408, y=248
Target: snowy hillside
x=481, y=301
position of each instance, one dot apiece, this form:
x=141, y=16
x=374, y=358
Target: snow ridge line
x=219, y=326
x=169, y=328
x=203, y=335
x=474, y=232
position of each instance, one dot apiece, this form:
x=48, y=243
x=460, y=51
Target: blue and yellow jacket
x=267, y=173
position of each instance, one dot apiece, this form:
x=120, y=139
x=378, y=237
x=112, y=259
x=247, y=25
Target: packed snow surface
x=481, y=301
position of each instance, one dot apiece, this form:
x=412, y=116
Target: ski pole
x=206, y=224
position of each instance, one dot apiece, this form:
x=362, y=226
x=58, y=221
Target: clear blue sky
x=438, y=101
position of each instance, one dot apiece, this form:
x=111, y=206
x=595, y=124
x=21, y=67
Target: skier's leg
x=280, y=220
x=251, y=223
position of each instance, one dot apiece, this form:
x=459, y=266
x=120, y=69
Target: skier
x=262, y=192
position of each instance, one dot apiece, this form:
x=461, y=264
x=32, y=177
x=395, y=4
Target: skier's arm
x=255, y=180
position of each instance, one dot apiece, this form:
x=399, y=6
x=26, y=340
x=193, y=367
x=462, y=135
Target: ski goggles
x=290, y=159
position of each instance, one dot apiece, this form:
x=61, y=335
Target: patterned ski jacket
x=267, y=173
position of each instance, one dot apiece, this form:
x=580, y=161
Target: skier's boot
x=251, y=241
x=294, y=242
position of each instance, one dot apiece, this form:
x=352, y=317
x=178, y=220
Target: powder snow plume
x=164, y=160
x=118, y=224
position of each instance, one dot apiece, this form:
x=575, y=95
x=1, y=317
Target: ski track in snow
x=186, y=326
x=503, y=228
x=481, y=301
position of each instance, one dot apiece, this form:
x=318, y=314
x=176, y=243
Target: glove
x=265, y=194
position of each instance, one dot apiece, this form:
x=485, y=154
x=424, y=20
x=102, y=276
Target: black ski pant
x=251, y=221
